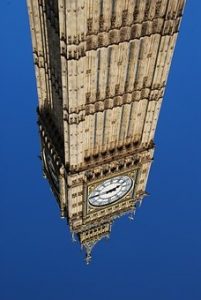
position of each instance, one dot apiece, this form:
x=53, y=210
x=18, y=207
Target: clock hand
x=112, y=190
x=107, y=192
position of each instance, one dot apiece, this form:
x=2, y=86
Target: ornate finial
x=62, y=213
x=138, y=203
x=88, y=248
x=132, y=215
x=88, y=259
x=73, y=237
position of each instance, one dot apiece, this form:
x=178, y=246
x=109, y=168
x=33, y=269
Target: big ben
x=101, y=70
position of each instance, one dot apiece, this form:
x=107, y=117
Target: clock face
x=110, y=190
x=49, y=165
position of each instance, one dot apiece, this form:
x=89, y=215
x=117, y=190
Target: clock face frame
x=49, y=166
x=111, y=190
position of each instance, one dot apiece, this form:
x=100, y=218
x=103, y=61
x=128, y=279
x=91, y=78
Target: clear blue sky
x=158, y=256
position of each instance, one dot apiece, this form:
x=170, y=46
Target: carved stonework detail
x=101, y=72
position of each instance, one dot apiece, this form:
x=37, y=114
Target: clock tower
x=101, y=71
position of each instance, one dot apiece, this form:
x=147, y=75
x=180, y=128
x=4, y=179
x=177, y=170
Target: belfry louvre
x=101, y=70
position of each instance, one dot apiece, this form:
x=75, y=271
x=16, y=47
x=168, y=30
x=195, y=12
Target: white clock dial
x=110, y=191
